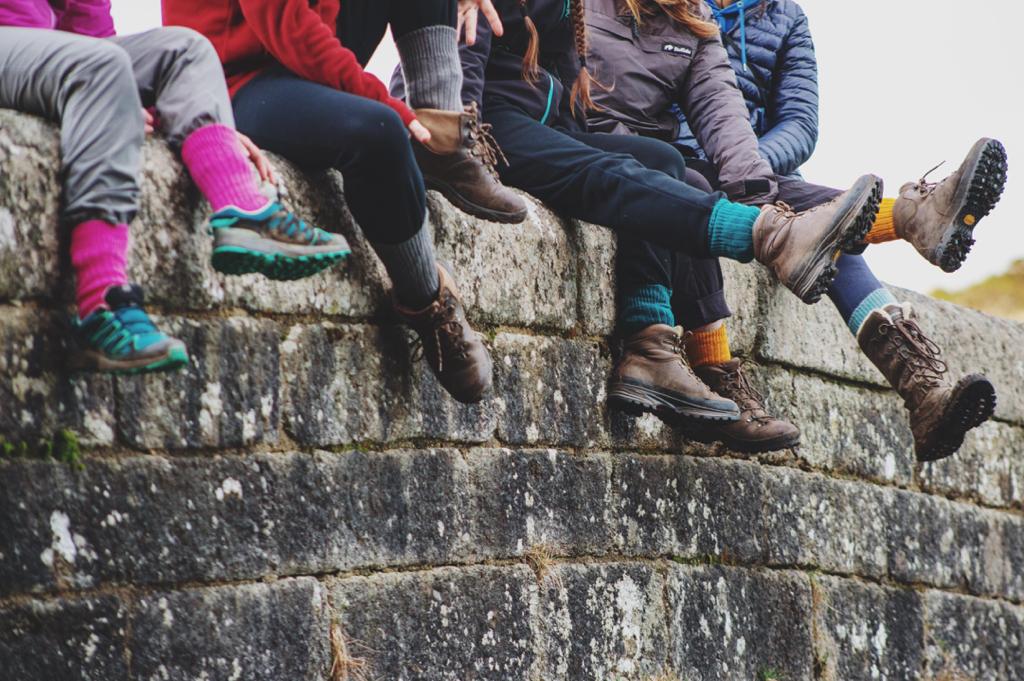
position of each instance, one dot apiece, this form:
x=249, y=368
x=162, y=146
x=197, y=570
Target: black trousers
x=362, y=23
x=596, y=177
x=319, y=127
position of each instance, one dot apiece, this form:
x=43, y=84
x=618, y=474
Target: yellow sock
x=708, y=347
x=883, y=230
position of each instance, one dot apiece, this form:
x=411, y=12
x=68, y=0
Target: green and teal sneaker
x=122, y=339
x=272, y=242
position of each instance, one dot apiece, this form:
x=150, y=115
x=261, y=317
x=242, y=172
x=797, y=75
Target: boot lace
x=737, y=387
x=446, y=331
x=919, y=352
x=924, y=187
x=485, y=147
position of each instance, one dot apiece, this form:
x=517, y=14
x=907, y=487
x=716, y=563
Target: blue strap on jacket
x=728, y=17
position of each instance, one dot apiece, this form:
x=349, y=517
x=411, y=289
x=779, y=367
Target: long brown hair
x=581, y=88
x=684, y=12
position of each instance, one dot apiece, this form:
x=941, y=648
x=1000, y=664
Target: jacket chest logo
x=681, y=50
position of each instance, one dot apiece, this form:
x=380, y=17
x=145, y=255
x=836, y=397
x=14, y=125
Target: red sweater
x=251, y=35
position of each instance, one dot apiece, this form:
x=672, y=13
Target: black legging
x=319, y=127
x=363, y=23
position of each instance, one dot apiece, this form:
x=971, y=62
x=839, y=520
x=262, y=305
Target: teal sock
x=731, y=230
x=641, y=307
x=875, y=300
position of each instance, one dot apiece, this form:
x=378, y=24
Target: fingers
x=458, y=24
x=258, y=158
x=419, y=133
x=148, y=122
x=471, y=18
x=492, y=17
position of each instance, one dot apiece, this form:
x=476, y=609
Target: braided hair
x=531, y=71
x=581, y=88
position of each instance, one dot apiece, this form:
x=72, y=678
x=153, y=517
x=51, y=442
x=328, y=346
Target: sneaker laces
x=737, y=387
x=119, y=328
x=445, y=326
x=919, y=352
x=285, y=222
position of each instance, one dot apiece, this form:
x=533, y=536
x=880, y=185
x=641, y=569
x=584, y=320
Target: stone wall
x=305, y=500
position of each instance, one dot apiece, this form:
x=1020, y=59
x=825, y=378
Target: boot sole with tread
x=467, y=206
x=236, y=260
x=980, y=189
x=708, y=436
x=973, y=403
x=637, y=399
x=848, y=235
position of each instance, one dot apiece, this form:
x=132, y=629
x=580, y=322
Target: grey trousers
x=96, y=90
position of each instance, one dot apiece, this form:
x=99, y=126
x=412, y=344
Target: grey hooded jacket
x=647, y=68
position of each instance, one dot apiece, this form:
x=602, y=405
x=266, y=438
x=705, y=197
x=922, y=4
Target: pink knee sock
x=98, y=253
x=221, y=170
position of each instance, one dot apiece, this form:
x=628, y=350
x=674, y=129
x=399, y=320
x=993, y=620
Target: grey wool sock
x=413, y=269
x=431, y=66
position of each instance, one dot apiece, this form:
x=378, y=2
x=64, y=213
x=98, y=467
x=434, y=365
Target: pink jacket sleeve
x=84, y=17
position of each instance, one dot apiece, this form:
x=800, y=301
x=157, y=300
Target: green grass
x=1001, y=295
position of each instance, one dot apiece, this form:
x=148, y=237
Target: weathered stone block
x=596, y=248
x=64, y=640
x=549, y=390
x=853, y=431
x=863, y=631
x=602, y=622
x=262, y=632
x=151, y=520
x=552, y=500
x=352, y=383
x=811, y=337
x=228, y=396
x=812, y=520
x=730, y=624
x=745, y=292
x=38, y=393
x=688, y=507
x=989, y=468
x=29, y=206
x=969, y=638
x=515, y=275
x=933, y=541
x=448, y=623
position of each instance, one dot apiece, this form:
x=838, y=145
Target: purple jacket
x=84, y=17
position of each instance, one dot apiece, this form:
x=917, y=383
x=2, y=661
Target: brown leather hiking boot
x=460, y=162
x=454, y=351
x=941, y=413
x=939, y=218
x=801, y=248
x=756, y=431
x=652, y=377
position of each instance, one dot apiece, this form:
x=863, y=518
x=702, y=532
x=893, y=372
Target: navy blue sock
x=643, y=306
x=856, y=292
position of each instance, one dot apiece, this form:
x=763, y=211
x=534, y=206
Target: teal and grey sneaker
x=273, y=242
x=121, y=338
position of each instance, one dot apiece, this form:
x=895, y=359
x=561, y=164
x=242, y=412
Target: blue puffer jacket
x=770, y=38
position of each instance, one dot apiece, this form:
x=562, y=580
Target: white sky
x=904, y=85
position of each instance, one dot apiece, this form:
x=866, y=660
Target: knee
x=107, y=66
x=384, y=139
x=185, y=41
x=697, y=181
x=658, y=155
